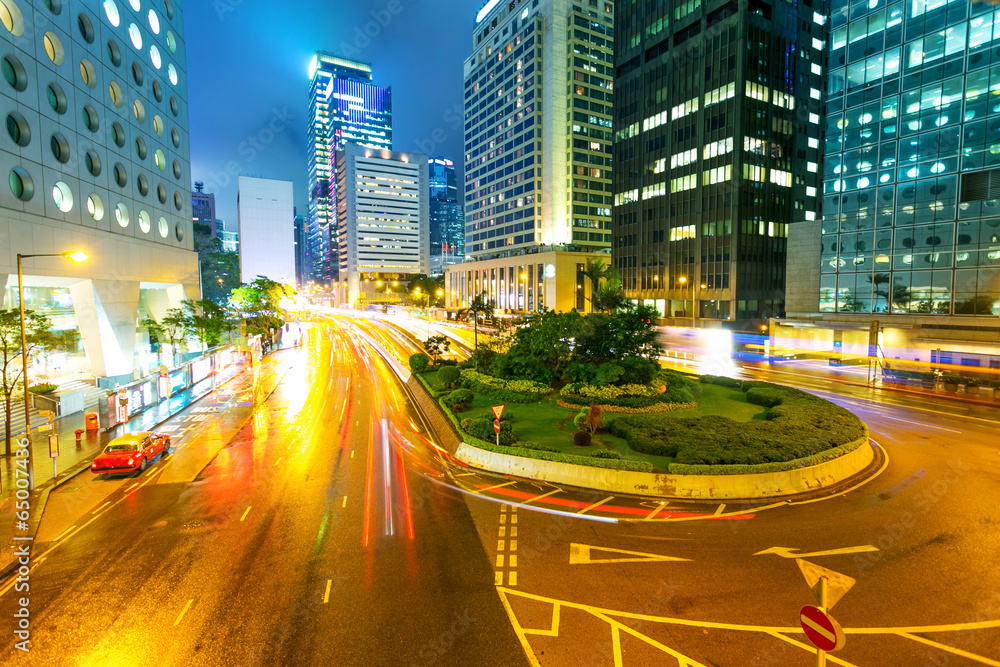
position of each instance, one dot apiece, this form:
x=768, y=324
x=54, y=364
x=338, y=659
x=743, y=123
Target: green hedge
x=435, y=393
x=815, y=459
x=508, y=391
x=798, y=426
x=530, y=450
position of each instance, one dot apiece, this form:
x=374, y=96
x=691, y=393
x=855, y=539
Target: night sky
x=248, y=64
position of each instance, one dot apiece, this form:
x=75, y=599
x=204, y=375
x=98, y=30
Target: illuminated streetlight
x=72, y=255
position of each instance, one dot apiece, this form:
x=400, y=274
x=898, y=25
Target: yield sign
x=498, y=410
x=836, y=583
x=579, y=554
x=821, y=629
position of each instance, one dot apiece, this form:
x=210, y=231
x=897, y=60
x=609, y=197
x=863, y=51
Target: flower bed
x=650, y=409
x=509, y=391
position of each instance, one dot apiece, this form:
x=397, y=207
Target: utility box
x=93, y=421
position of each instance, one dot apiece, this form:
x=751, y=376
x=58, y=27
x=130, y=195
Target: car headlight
x=130, y=462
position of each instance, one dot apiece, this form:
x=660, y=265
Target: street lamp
x=683, y=281
x=73, y=255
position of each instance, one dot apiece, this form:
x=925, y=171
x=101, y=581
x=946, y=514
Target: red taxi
x=130, y=452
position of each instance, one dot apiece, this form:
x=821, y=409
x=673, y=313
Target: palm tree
x=480, y=304
x=596, y=270
x=610, y=296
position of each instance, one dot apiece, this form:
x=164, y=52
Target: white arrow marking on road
x=786, y=552
x=579, y=554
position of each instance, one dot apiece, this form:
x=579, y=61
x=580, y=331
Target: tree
x=220, y=270
x=39, y=337
x=437, y=346
x=207, y=322
x=542, y=347
x=619, y=337
x=480, y=305
x=611, y=297
x=175, y=326
x=596, y=270
x=259, y=305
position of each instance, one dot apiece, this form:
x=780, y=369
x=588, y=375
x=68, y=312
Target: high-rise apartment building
x=266, y=223
x=96, y=158
x=910, y=231
x=299, y=235
x=344, y=107
x=538, y=126
x=382, y=214
x=447, y=221
x=203, y=208
x=717, y=151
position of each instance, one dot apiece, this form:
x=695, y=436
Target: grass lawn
x=430, y=377
x=552, y=426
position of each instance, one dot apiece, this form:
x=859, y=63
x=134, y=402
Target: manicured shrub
x=638, y=370
x=419, y=362
x=606, y=454
x=608, y=373
x=721, y=380
x=582, y=439
x=482, y=428
x=465, y=424
x=765, y=396
x=506, y=391
x=42, y=388
x=461, y=397
x=448, y=376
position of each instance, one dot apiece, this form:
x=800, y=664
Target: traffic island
x=682, y=437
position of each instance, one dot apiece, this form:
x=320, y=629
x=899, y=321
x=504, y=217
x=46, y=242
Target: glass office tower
x=911, y=211
x=447, y=223
x=344, y=107
x=717, y=152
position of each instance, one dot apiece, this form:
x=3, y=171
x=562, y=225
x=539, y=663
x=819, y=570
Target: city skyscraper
x=910, y=232
x=382, y=199
x=717, y=153
x=538, y=157
x=344, y=107
x=447, y=221
x=94, y=168
x=203, y=208
x=299, y=230
x=266, y=230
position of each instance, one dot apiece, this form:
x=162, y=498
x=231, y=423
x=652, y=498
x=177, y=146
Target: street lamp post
x=683, y=281
x=76, y=256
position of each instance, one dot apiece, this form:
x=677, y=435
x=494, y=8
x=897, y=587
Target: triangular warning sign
x=498, y=410
x=580, y=554
x=837, y=584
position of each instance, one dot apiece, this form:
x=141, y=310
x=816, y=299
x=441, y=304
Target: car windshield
x=124, y=447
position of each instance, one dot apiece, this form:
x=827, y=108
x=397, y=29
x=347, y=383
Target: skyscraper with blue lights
x=344, y=107
x=447, y=226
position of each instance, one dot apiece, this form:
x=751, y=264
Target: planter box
x=972, y=390
x=950, y=386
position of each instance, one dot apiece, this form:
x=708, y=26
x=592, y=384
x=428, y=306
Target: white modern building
x=267, y=242
x=382, y=220
x=95, y=158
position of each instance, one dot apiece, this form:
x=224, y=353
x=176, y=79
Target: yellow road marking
x=499, y=560
x=129, y=489
x=245, y=513
x=512, y=578
x=616, y=645
x=544, y=495
x=513, y=560
x=597, y=504
x=157, y=472
x=101, y=507
x=496, y=486
x=278, y=461
x=810, y=649
x=501, y=545
x=950, y=649
x=653, y=513
x=497, y=579
x=326, y=595
x=718, y=512
x=352, y=453
x=513, y=545
x=63, y=534
x=184, y=611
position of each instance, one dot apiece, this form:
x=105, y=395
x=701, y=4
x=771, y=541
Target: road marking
x=129, y=489
x=544, y=495
x=158, y=471
x=719, y=511
x=497, y=486
x=326, y=595
x=950, y=649
x=352, y=453
x=64, y=533
x=580, y=554
x=910, y=421
x=513, y=560
x=101, y=507
x=245, y=513
x=598, y=503
x=344, y=503
x=501, y=545
x=786, y=552
x=184, y=611
x=278, y=461
x=500, y=558
x=512, y=578
x=497, y=579
x=513, y=545
x=653, y=513
x=39, y=562
x=806, y=647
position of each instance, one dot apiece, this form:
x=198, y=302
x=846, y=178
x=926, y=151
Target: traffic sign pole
x=820, y=653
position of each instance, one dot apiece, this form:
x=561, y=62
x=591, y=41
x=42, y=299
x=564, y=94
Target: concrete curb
x=682, y=487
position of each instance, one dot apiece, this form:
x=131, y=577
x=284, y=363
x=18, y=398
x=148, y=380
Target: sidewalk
x=71, y=453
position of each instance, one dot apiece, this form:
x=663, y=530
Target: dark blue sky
x=248, y=84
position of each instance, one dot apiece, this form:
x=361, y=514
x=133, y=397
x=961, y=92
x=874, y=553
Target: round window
x=121, y=215
x=157, y=91
x=86, y=28
x=90, y=118
x=158, y=125
x=177, y=170
x=162, y=227
x=95, y=207
x=179, y=231
x=172, y=74
x=114, y=53
x=135, y=36
x=171, y=42
x=62, y=196
x=174, y=107
x=88, y=74
x=12, y=18
x=143, y=185
x=154, y=56
x=118, y=134
x=115, y=91
x=59, y=147
x=54, y=48
x=154, y=22
x=139, y=111
x=57, y=98
x=140, y=148
x=161, y=193
x=175, y=138
x=111, y=11
x=121, y=176
x=17, y=129
x=21, y=185
x=14, y=72
x=144, y=222
x=93, y=163
x=160, y=159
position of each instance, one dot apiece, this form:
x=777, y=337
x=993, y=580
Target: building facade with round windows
x=95, y=155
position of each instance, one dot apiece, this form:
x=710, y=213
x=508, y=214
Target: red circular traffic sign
x=821, y=629
x=496, y=425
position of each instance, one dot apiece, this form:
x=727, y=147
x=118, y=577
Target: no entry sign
x=496, y=426
x=821, y=629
